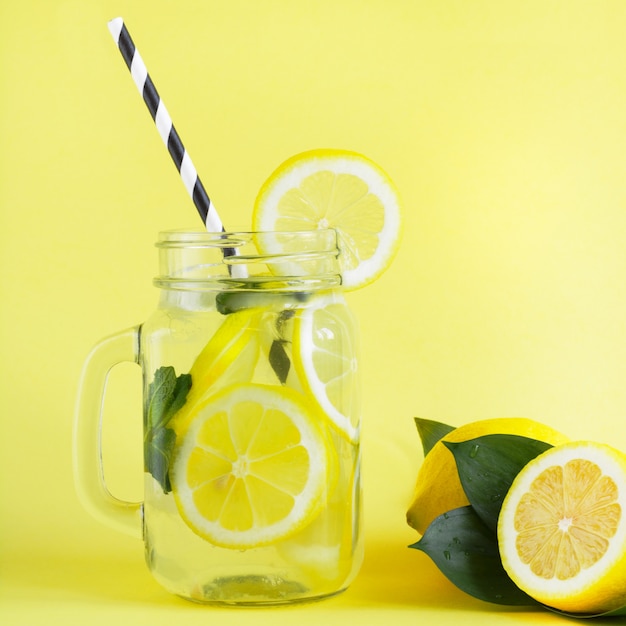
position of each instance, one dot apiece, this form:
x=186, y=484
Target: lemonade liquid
x=320, y=559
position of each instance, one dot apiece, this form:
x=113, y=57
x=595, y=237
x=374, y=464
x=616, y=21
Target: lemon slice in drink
x=324, y=349
x=562, y=528
x=341, y=190
x=236, y=340
x=231, y=354
x=251, y=468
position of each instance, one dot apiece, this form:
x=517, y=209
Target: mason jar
x=251, y=420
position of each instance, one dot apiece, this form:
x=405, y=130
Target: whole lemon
x=438, y=488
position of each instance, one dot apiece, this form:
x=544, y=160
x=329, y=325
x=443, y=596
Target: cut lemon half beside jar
x=252, y=467
x=335, y=189
x=325, y=356
x=562, y=528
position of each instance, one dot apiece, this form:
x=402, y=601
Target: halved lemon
x=252, y=467
x=341, y=190
x=562, y=528
x=325, y=355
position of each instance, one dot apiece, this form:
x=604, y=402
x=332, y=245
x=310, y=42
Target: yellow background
x=503, y=124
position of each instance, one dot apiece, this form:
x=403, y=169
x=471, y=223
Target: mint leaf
x=179, y=395
x=279, y=360
x=158, y=450
x=431, y=432
x=256, y=295
x=487, y=466
x=466, y=552
x=278, y=357
x=159, y=394
x=167, y=393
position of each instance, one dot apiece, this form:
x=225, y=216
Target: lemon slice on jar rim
x=336, y=189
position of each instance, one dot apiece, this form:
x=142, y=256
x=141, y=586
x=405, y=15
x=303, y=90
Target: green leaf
x=620, y=611
x=279, y=360
x=256, y=295
x=158, y=451
x=466, y=552
x=179, y=395
x=159, y=394
x=487, y=466
x=431, y=432
x=167, y=394
x=614, y=613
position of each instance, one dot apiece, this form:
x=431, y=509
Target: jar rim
x=278, y=260
x=198, y=237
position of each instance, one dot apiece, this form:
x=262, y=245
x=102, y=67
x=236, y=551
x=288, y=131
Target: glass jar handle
x=88, y=468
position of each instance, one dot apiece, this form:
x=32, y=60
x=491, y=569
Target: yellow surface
x=501, y=122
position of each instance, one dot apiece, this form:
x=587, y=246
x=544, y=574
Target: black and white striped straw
x=166, y=129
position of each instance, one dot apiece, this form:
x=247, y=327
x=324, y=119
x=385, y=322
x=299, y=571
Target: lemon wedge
x=562, y=528
x=341, y=190
x=252, y=467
